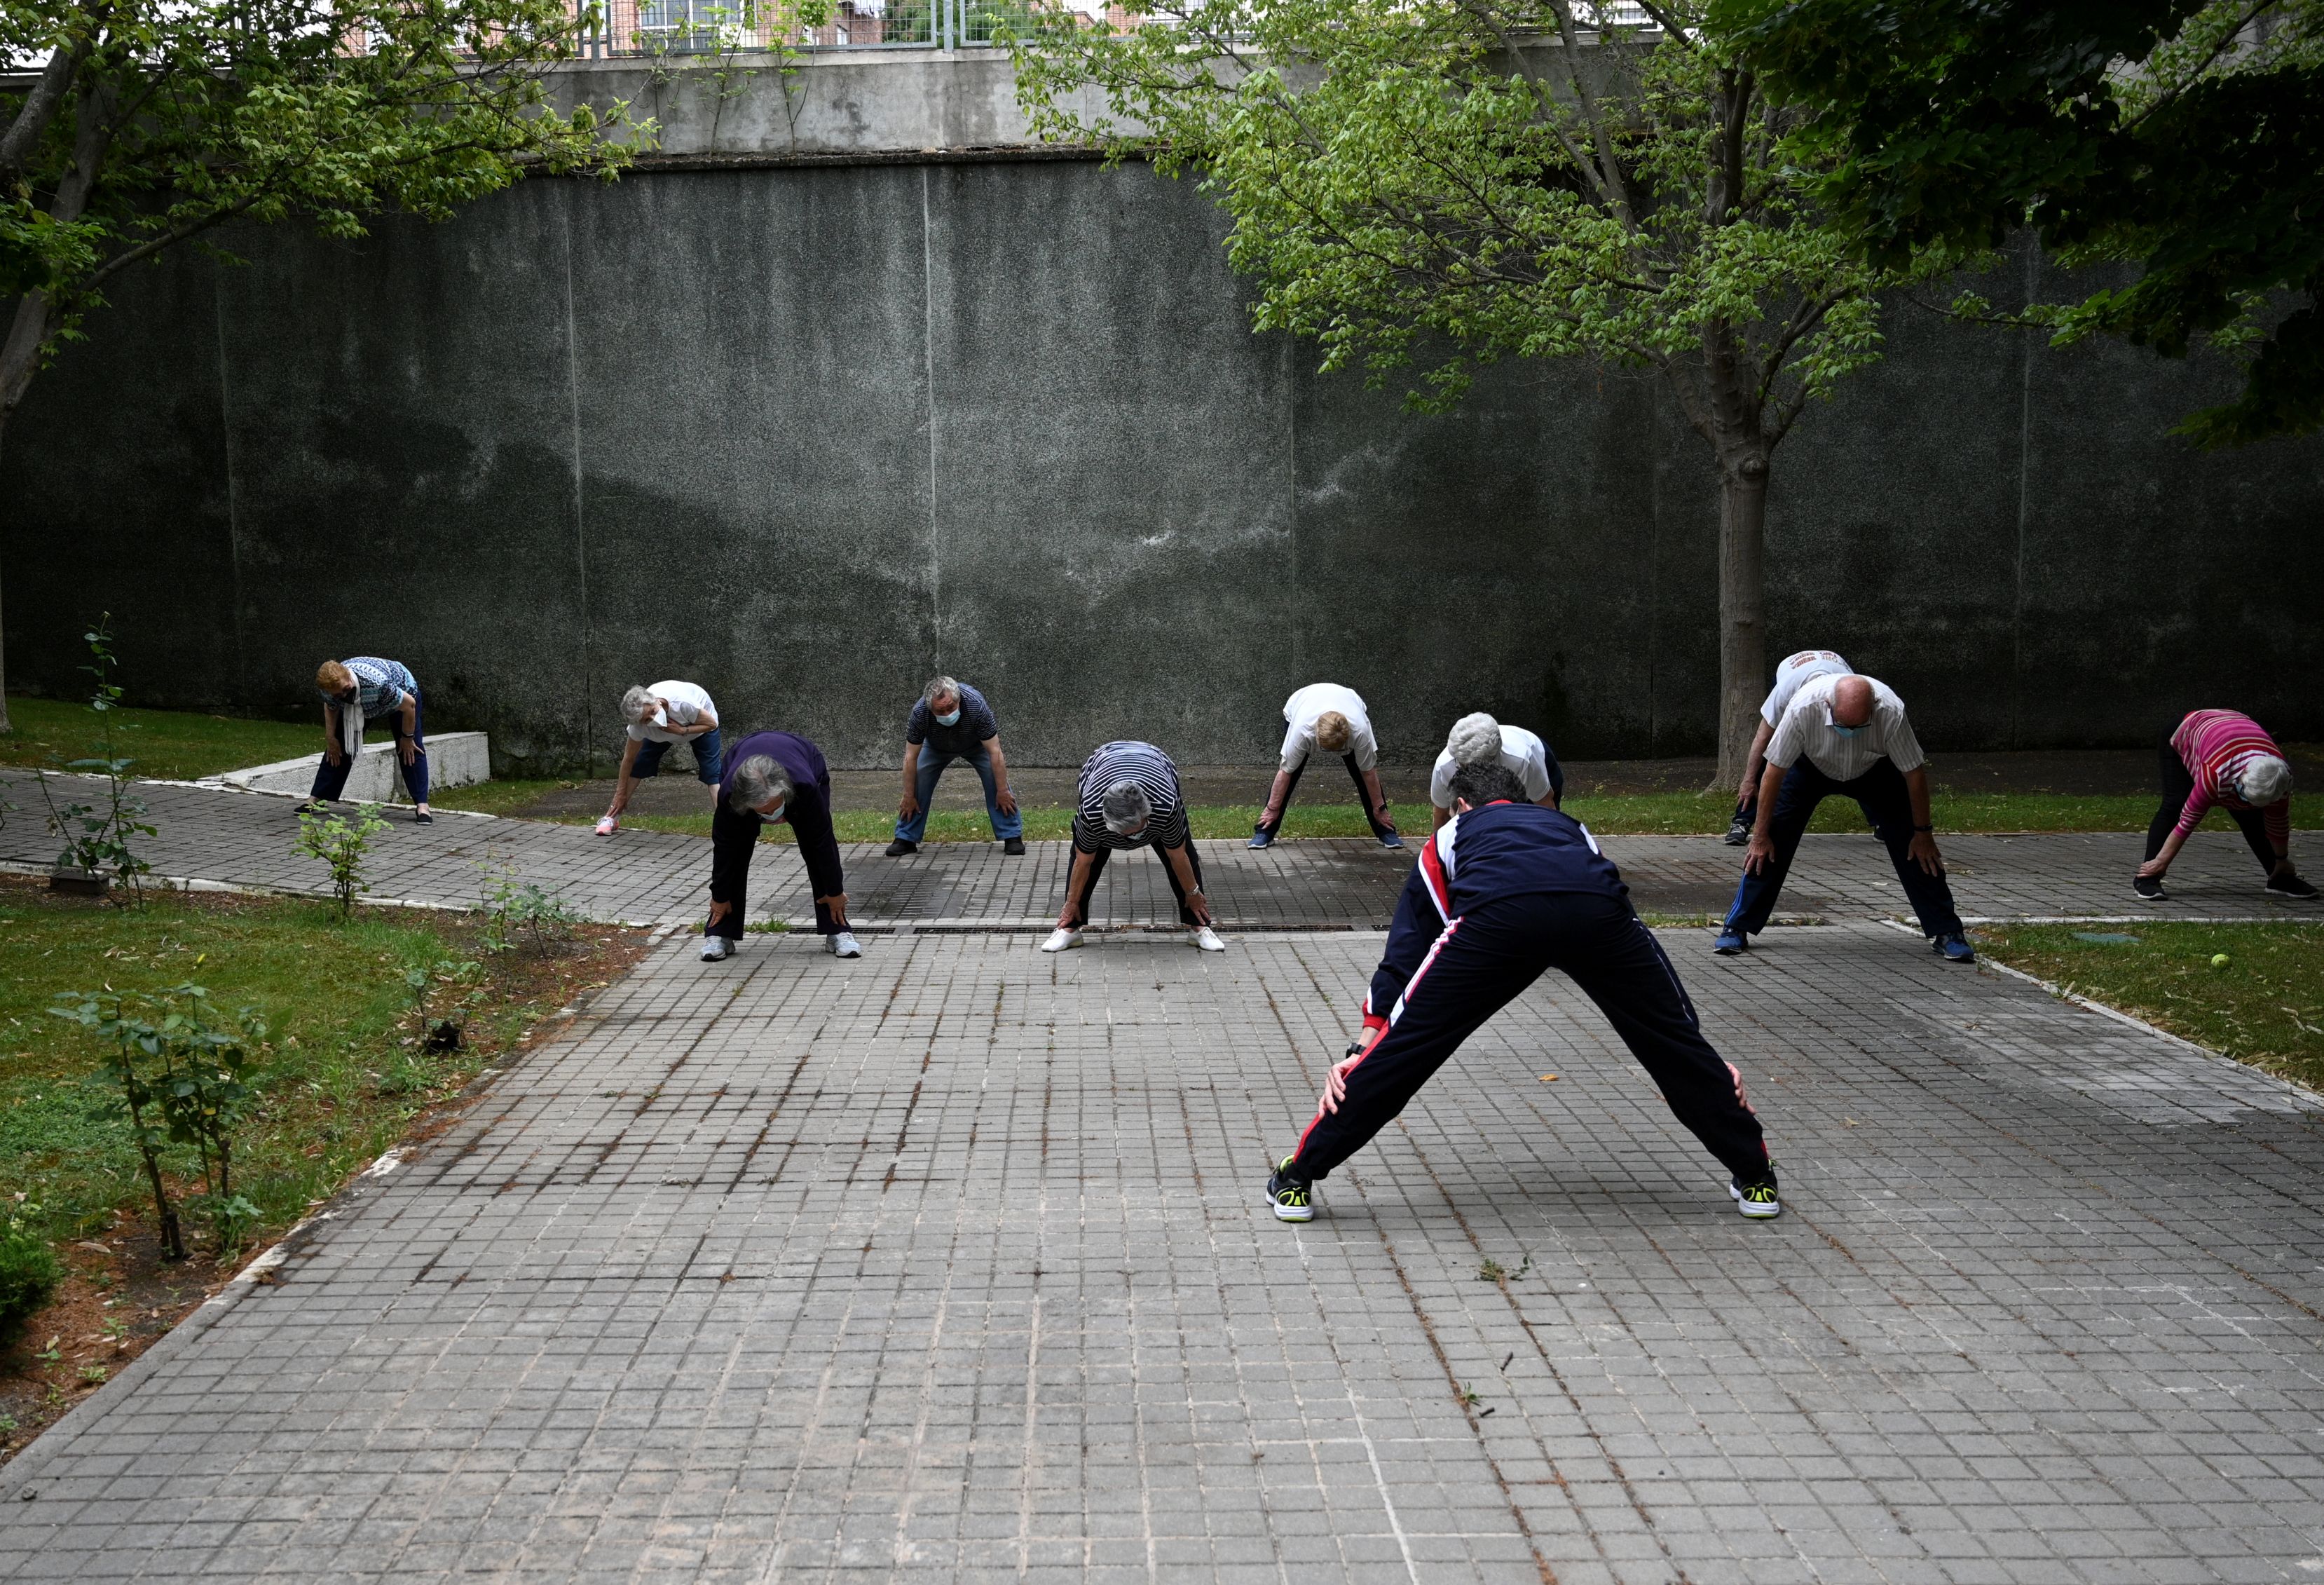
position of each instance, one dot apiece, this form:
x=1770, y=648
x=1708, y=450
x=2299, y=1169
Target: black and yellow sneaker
x=1755, y=1199
x=1293, y=1199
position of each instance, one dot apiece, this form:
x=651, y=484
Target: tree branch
x=39, y=109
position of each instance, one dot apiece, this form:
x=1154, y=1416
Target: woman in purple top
x=774, y=776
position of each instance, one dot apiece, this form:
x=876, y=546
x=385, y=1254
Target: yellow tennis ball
x=2218, y=959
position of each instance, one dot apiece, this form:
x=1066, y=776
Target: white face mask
x=950, y=720
x=775, y=814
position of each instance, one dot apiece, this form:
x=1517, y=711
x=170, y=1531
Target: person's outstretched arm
x=1000, y=792
x=1417, y=925
x=626, y=783
x=810, y=818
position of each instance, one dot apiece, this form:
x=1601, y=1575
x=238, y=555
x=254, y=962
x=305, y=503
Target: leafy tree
x=2185, y=137
x=1430, y=184
x=150, y=123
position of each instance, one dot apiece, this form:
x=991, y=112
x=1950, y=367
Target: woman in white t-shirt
x=668, y=712
x=1792, y=672
x=1476, y=739
x=1325, y=717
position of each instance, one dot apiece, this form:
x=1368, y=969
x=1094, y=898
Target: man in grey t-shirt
x=953, y=721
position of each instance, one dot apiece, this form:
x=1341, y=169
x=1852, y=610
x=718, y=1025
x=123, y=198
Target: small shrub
x=343, y=845
x=101, y=837
x=518, y=913
x=29, y=1270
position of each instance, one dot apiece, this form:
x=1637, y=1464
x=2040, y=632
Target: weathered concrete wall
x=806, y=434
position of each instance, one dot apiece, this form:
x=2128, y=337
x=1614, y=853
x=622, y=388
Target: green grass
x=340, y=1079
x=173, y=744
x=2265, y=1006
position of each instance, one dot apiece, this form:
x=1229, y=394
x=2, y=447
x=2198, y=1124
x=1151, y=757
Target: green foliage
x=29, y=1270
x=520, y=912
x=147, y=122
x=180, y=1079
x=342, y=845
x=100, y=837
x=2180, y=136
x=181, y=745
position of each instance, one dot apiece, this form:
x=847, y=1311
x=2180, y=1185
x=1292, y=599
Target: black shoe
x=2148, y=887
x=899, y=848
x=1738, y=830
x=422, y=817
x=1014, y=846
x=2290, y=886
x=1294, y=1199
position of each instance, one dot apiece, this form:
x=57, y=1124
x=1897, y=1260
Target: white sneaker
x=608, y=826
x=1062, y=940
x=842, y=944
x=1208, y=940
x=716, y=949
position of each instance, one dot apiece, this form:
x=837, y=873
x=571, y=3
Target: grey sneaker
x=716, y=949
x=842, y=944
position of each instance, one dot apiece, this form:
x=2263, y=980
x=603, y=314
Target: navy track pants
x=1482, y=962
x=1888, y=805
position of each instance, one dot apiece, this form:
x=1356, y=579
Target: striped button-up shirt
x=380, y=685
x=2215, y=746
x=1151, y=769
x=1807, y=729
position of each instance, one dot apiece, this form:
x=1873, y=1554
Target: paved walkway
x=646, y=877
x=949, y=1263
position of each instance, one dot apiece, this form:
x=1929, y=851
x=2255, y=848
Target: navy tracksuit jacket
x=1501, y=894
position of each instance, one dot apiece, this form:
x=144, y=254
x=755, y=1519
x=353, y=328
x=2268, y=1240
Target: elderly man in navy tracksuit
x=774, y=776
x=1504, y=890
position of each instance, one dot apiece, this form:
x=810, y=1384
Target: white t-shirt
x=687, y=705
x=1806, y=728
x=1304, y=709
x=1794, y=670
x=1523, y=753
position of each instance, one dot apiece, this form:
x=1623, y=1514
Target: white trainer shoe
x=1062, y=940
x=1208, y=940
x=716, y=949
x=608, y=826
x=842, y=944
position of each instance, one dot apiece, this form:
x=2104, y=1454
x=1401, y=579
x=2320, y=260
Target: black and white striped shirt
x=1151, y=769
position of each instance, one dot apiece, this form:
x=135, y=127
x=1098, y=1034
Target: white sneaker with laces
x=608, y=826
x=1062, y=940
x=716, y=949
x=1207, y=940
x=842, y=944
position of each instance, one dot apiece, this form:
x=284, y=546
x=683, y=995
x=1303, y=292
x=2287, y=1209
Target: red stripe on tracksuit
x=1380, y=1032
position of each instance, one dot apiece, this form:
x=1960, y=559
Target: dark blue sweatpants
x=1482, y=962
x=1881, y=794
x=331, y=780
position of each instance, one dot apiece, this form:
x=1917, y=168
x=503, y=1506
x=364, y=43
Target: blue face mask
x=1846, y=731
x=951, y=721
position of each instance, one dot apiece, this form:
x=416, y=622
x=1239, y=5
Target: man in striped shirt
x=2221, y=759
x=357, y=692
x=1129, y=797
x=1846, y=735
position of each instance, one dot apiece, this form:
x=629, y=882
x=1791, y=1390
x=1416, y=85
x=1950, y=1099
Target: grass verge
x=2264, y=1006
x=173, y=744
x=341, y=1077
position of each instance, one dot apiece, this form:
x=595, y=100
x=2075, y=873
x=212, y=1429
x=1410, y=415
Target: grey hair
x=757, y=779
x=2265, y=780
x=638, y=704
x=1126, y=807
x=938, y=687
x=1475, y=740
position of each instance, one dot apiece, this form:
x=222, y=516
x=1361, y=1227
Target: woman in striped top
x=356, y=692
x=1129, y=797
x=2222, y=759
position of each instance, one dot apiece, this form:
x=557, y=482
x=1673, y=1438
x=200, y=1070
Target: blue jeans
x=331, y=780
x=706, y=757
x=1880, y=792
x=923, y=787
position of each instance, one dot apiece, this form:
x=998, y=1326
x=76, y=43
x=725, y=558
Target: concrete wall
x=805, y=433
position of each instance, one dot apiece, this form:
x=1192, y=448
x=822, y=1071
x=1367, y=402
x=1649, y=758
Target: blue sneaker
x=1953, y=948
x=1260, y=837
x=1393, y=840
x=1731, y=943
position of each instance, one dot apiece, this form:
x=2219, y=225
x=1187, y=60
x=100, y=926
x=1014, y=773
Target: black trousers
x=1482, y=962
x=1363, y=795
x=1076, y=910
x=1887, y=804
x=2178, y=782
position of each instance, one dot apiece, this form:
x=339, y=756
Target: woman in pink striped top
x=2222, y=759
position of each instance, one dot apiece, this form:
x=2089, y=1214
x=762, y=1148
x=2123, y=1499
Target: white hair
x=2264, y=779
x=638, y=705
x=1475, y=740
x=938, y=687
x=758, y=781
x=1126, y=807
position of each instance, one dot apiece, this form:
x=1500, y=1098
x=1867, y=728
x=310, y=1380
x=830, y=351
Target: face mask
x=951, y=721
x=1846, y=731
x=779, y=810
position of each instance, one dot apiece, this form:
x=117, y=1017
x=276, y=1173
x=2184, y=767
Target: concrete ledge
x=455, y=759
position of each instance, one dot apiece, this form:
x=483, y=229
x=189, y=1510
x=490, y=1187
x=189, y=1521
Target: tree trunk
x=1742, y=605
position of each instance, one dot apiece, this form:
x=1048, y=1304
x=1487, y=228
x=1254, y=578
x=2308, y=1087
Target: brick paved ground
x=650, y=877
x=949, y=1263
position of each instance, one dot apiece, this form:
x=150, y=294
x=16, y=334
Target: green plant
x=517, y=909
x=1491, y=1270
x=232, y=1221
x=342, y=845
x=181, y=1079
x=99, y=838
x=29, y=1270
